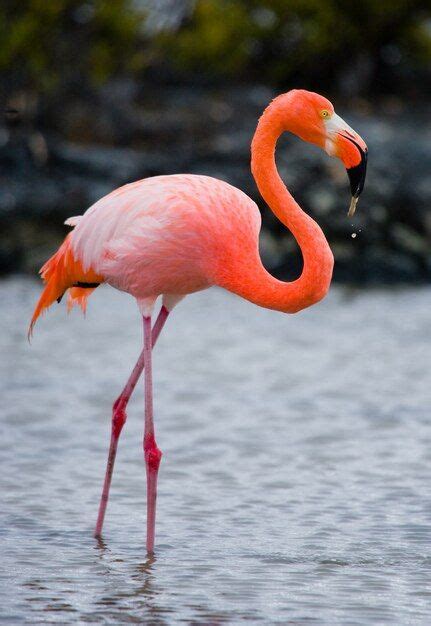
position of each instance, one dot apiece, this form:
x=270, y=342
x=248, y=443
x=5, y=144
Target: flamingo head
x=312, y=118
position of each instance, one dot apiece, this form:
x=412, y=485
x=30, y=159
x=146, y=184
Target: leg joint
x=119, y=417
x=153, y=455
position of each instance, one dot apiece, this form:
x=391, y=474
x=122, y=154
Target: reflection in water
x=141, y=589
x=139, y=593
x=294, y=485
x=145, y=591
x=142, y=593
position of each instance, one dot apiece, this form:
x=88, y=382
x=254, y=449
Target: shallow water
x=295, y=482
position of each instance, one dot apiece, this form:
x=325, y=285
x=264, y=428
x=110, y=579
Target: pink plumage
x=173, y=235
x=166, y=234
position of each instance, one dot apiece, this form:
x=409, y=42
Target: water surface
x=295, y=482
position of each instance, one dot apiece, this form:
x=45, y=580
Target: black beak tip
x=357, y=175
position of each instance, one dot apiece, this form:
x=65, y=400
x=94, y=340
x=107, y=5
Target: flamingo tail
x=60, y=273
x=78, y=296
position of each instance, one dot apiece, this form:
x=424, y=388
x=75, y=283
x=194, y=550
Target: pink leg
x=119, y=417
x=151, y=452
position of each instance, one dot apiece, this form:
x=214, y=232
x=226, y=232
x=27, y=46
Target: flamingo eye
x=325, y=114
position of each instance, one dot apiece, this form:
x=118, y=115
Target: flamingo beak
x=342, y=141
x=357, y=175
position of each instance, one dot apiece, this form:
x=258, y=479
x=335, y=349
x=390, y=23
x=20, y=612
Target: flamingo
x=174, y=235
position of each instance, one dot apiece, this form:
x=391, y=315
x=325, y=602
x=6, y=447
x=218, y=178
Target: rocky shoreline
x=58, y=165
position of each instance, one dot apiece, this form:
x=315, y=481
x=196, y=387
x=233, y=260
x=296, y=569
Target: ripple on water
x=294, y=486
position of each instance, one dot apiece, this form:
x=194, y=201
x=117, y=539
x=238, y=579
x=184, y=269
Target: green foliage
x=47, y=42
x=277, y=39
x=58, y=44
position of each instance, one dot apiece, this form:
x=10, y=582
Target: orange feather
x=60, y=273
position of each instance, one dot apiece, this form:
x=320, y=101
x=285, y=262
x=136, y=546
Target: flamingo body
x=174, y=235
x=166, y=234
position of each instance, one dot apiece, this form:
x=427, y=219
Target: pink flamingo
x=174, y=235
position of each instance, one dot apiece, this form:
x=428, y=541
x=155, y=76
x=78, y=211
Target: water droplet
x=353, y=235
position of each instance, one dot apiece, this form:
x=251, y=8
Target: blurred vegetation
x=278, y=41
x=46, y=44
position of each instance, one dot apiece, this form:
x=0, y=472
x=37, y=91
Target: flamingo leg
x=151, y=452
x=119, y=417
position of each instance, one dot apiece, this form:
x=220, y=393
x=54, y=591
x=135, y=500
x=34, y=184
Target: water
x=295, y=482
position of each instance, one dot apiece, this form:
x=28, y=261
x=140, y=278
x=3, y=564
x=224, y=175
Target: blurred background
x=97, y=94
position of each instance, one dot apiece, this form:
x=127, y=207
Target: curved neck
x=256, y=284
